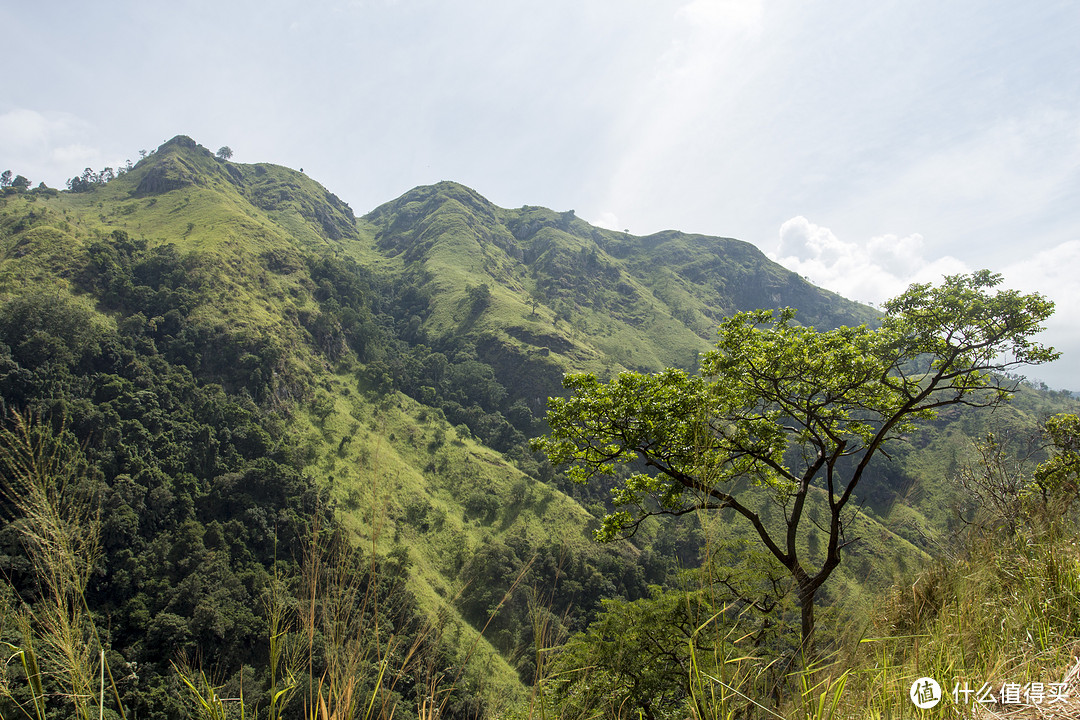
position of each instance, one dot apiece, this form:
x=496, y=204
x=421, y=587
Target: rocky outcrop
x=169, y=174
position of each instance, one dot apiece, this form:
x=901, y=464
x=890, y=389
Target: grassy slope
x=255, y=283
x=564, y=296
x=642, y=303
x=233, y=242
x=402, y=475
x=627, y=302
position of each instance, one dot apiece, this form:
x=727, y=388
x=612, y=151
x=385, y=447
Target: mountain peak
x=182, y=141
x=174, y=165
x=181, y=162
x=433, y=195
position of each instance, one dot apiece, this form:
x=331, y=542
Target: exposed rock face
x=169, y=174
x=174, y=166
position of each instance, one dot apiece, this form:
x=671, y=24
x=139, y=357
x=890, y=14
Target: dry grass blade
x=58, y=517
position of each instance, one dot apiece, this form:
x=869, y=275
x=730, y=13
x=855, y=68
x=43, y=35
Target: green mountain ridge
x=560, y=295
x=399, y=362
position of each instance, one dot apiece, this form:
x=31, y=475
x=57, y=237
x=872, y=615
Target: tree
x=796, y=412
x=479, y=298
x=1059, y=474
x=5, y=179
x=999, y=489
x=224, y=152
x=84, y=183
x=21, y=183
x=635, y=658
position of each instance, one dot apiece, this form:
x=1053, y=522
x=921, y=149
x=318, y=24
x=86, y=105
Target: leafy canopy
x=1060, y=471
x=787, y=407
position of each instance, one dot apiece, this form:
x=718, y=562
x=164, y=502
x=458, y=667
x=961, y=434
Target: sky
x=863, y=145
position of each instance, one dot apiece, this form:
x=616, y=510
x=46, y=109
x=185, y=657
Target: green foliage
x=479, y=298
x=576, y=583
x=198, y=494
x=1004, y=608
x=233, y=349
x=194, y=506
x=634, y=658
x=789, y=408
x=1061, y=470
x=90, y=179
x=44, y=481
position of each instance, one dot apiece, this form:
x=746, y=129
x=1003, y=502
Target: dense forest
x=262, y=455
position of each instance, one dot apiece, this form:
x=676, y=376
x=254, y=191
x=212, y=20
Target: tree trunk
x=806, y=594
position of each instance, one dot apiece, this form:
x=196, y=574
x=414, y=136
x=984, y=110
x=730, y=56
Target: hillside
x=236, y=355
x=580, y=297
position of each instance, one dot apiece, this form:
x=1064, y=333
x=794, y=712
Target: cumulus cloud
x=1052, y=272
x=871, y=271
x=882, y=267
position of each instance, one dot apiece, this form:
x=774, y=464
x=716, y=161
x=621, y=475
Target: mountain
x=239, y=360
x=593, y=298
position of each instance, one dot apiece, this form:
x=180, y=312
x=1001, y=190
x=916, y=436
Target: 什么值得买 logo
x=926, y=693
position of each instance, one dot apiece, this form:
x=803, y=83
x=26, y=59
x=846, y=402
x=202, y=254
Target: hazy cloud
x=722, y=15
x=606, y=220
x=725, y=117
x=28, y=132
x=1053, y=273
x=1018, y=174
x=45, y=146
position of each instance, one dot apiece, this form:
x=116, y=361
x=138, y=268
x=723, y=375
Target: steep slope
x=397, y=363
x=241, y=277
x=564, y=295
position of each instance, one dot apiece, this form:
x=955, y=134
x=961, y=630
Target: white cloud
x=882, y=267
x=1018, y=173
x=901, y=256
x=873, y=271
x=724, y=15
x=804, y=241
x=24, y=131
x=1051, y=272
x=21, y=128
x=75, y=156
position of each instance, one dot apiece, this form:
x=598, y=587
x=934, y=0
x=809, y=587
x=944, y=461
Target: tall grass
x=1003, y=607
x=330, y=650
x=328, y=647
x=1007, y=611
x=60, y=651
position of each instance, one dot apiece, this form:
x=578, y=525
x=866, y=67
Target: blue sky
x=864, y=145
